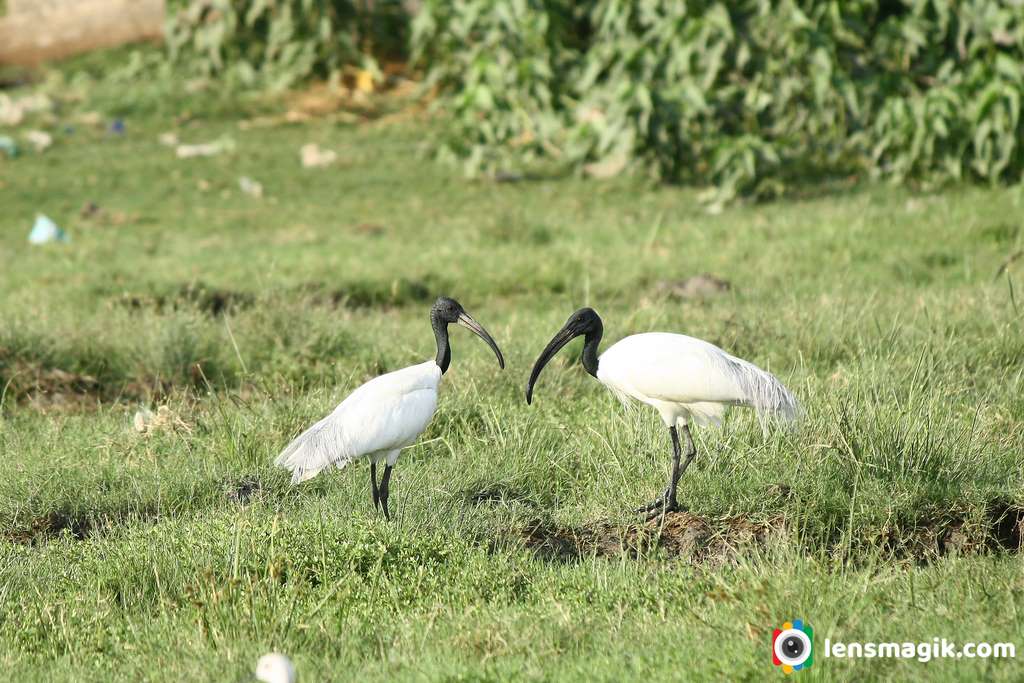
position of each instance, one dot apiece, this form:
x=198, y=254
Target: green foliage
x=276, y=43
x=747, y=96
x=505, y=65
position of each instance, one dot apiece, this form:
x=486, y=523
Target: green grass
x=183, y=554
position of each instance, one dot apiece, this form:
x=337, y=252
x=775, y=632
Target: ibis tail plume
x=384, y=415
x=683, y=378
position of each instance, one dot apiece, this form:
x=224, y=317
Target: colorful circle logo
x=793, y=646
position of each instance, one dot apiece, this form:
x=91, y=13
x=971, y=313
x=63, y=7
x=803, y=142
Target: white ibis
x=383, y=416
x=683, y=378
x=275, y=668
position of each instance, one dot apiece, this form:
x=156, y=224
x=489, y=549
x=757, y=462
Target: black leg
x=668, y=502
x=657, y=505
x=691, y=451
x=384, y=485
x=373, y=485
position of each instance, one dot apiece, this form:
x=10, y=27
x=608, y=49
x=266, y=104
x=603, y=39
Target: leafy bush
x=747, y=96
x=279, y=42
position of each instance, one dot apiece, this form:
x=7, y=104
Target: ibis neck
x=590, y=351
x=444, y=350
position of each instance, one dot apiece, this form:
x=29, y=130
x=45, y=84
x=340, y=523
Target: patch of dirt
x=499, y=494
x=1005, y=525
x=717, y=541
x=100, y=216
x=50, y=526
x=702, y=540
x=703, y=286
x=370, y=229
x=927, y=540
x=209, y=300
x=51, y=387
x=938, y=534
x=79, y=525
x=366, y=294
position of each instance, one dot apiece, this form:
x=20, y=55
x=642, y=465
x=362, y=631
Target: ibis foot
x=663, y=510
x=654, y=504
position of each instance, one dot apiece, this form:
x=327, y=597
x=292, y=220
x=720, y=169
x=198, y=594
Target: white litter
x=44, y=231
x=314, y=157
x=39, y=140
x=208, y=149
x=251, y=187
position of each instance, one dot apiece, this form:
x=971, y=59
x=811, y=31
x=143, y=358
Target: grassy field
x=894, y=512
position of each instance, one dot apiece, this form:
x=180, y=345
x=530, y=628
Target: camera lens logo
x=792, y=646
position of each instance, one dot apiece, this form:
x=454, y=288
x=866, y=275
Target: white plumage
x=376, y=421
x=683, y=378
x=384, y=415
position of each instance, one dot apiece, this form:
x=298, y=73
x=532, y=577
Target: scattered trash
x=117, y=127
x=8, y=146
x=697, y=287
x=13, y=111
x=45, y=231
x=148, y=422
x=39, y=140
x=250, y=187
x=10, y=113
x=314, y=157
x=169, y=139
x=208, y=149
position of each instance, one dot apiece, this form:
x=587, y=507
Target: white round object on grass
x=275, y=668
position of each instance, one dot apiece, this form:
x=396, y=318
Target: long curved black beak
x=564, y=336
x=466, y=320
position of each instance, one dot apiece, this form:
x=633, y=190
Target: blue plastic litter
x=45, y=231
x=8, y=146
x=117, y=126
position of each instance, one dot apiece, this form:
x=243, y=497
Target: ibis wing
x=387, y=413
x=680, y=369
